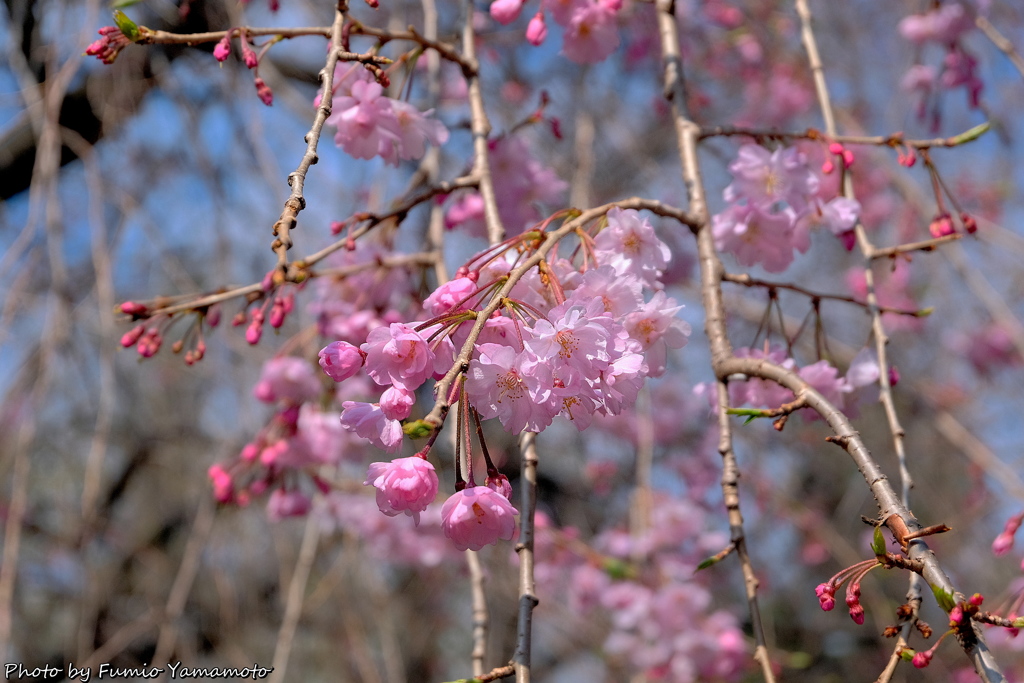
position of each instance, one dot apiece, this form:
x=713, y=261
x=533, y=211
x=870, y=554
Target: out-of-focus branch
x=1001, y=42
x=296, y=597
x=182, y=585
x=731, y=496
x=924, y=245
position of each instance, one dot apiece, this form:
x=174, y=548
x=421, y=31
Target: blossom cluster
x=945, y=26
x=591, y=31
x=567, y=344
x=773, y=201
x=369, y=124
x=661, y=620
x=520, y=183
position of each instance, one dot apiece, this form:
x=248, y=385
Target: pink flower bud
x=922, y=659
x=835, y=148
x=249, y=452
x=506, y=11
x=500, y=484
x=132, y=308
x=396, y=403
x=129, y=338
x=941, y=226
x=977, y=599
x=277, y=313
x=536, y=30
x=970, y=225
x=847, y=158
x=264, y=92
x=894, y=375
x=283, y=504
x=340, y=360
x=956, y=615
x=223, y=48
x=248, y=55
x=857, y=614
x=253, y=333
x=828, y=167
x=223, y=487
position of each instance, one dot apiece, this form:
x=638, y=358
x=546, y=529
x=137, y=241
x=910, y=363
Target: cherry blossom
x=477, y=516
x=287, y=378
x=398, y=354
x=406, y=485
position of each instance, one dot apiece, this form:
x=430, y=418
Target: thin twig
x=480, y=616
x=524, y=548
x=296, y=597
x=481, y=127
x=1001, y=42
x=923, y=245
x=731, y=497
x=182, y=586
x=296, y=202
x=747, y=281
x=895, y=140
x=711, y=275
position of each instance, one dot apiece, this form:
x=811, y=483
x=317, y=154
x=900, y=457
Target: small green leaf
x=944, y=598
x=925, y=312
x=618, y=569
x=1018, y=622
x=417, y=429
x=878, y=542
x=128, y=27
x=907, y=654
x=970, y=135
x=799, y=660
x=714, y=559
x=750, y=419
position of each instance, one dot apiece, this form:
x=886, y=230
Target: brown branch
x=481, y=127
x=493, y=675
x=480, y=616
x=1001, y=42
x=895, y=140
x=447, y=51
x=711, y=271
x=731, y=497
x=923, y=245
x=148, y=36
x=296, y=202
x=524, y=548
x=747, y=281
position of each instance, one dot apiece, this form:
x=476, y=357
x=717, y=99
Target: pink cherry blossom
x=620, y=294
x=406, y=485
x=657, y=329
x=764, y=177
x=574, y=338
x=369, y=421
x=287, y=378
x=755, y=237
x=630, y=246
x=396, y=403
x=592, y=33
x=411, y=130
x=477, y=516
x=398, y=354
x=340, y=360
x=499, y=387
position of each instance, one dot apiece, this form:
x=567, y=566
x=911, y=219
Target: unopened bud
x=264, y=92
